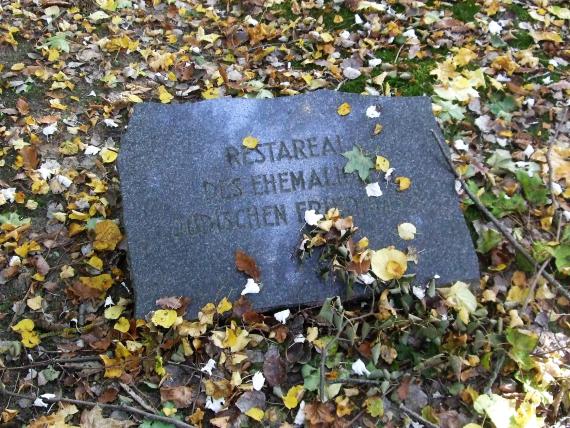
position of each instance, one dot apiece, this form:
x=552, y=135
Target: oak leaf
x=247, y=265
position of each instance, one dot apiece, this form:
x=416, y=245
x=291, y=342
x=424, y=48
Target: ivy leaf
x=59, y=42
x=562, y=258
x=535, y=191
x=488, y=239
x=503, y=107
x=523, y=343
x=358, y=161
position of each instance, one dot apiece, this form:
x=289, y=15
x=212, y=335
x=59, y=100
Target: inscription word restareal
x=254, y=216
x=193, y=194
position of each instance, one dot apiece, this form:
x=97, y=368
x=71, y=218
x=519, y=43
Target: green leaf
x=358, y=161
x=562, y=257
x=14, y=219
x=497, y=42
x=535, y=191
x=311, y=377
x=523, y=343
x=50, y=374
x=58, y=42
x=374, y=406
x=503, y=107
x=488, y=239
x=500, y=410
x=501, y=160
x=504, y=205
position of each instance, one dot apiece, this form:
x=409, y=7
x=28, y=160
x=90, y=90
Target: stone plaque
x=193, y=194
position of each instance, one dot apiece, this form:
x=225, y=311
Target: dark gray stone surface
x=192, y=195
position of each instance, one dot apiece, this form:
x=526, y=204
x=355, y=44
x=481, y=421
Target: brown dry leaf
x=22, y=106
x=320, y=413
x=274, y=368
x=247, y=265
x=107, y=235
x=94, y=419
x=30, y=156
x=181, y=396
x=173, y=302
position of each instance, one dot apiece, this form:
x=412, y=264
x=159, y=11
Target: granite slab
x=193, y=195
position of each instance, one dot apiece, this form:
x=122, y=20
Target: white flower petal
x=210, y=365
x=282, y=316
x=312, y=218
x=258, y=381
x=300, y=416
x=372, y=112
x=251, y=287
x=373, y=190
x=359, y=368
x=407, y=231
x=214, y=405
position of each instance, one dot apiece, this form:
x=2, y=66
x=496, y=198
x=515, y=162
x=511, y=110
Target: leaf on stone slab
x=247, y=265
x=343, y=109
x=359, y=162
x=164, y=317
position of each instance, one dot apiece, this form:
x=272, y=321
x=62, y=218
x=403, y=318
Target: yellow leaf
x=382, y=164
x=378, y=129
x=404, y=183
x=163, y=95
x=134, y=98
x=34, y=303
x=123, y=325
x=210, y=94
x=100, y=282
x=113, y=312
x=250, y=142
x=291, y=399
x=343, y=109
x=107, y=235
x=169, y=411
x=164, y=317
x=113, y=367
x=389, y=263
x=255, y=413
x=24, y=325
x=18, y=66
x=551, y=36
x=30, y=339
x=108, y=155
x=95, y=262
x=224, y=306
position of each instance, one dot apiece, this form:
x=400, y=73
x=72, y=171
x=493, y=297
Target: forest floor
x=70, y=73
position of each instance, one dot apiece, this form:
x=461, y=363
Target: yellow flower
x=389, y=263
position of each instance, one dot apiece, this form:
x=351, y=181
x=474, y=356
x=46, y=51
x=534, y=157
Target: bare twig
x=550, y=278
x=417, y=417
x=55, y=361
x=496, y=372
x=123, y=408
x=356, y=381
x=534, y=283
x=551, y=143
x=137, y=397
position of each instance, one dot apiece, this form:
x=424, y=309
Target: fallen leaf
x=247, y=265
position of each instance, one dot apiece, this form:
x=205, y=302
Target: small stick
x=534, y=283
x=55, y=361
x=137, y=397
x=352, y=380
x=550, y=278
x=495, y=373
x=417, y=417
x=123, y=408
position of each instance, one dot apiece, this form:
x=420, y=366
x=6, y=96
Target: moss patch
x=465, y=10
